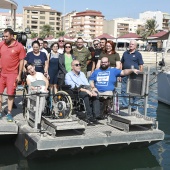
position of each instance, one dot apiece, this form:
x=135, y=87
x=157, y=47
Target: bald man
x=130, y=59
x=76, y=78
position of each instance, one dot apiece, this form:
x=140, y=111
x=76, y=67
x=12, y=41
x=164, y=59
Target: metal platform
x=30, y=140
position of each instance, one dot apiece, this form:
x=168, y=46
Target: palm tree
x=150, y=28
x=46, y=31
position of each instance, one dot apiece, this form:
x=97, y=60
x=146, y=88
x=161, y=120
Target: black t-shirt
x=48, y=49
x=97, y=53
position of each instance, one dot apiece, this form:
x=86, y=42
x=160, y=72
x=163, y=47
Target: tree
x=60, y=33
x=150, y=28
x=46, y=31
x=33, y=35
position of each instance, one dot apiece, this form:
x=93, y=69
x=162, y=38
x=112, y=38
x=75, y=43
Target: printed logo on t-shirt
x=38, y=62
x=103, y=78
x=133, y=55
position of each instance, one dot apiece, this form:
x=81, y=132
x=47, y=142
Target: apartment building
x=121, y=26
x=5, y=19
x=162, y=19
x=88, y=24
x=66, y=21
x=37, y=16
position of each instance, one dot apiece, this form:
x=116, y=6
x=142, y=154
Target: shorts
x=8, y=81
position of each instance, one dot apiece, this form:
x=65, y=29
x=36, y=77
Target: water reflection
x=122, y=160
x=161, y=150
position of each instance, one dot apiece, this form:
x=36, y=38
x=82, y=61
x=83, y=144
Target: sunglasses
x=61, y=41
x=77, y=65
x=67, y=46
x=96, y=44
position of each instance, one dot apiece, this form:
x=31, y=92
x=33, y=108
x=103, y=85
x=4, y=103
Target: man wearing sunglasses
x=61, y=43
x=76, y=78
x=82, y=54
x=97, y=52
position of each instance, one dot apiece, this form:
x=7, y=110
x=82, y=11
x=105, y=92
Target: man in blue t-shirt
x=104, y=78
x=130, y=59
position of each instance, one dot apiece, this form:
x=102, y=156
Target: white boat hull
x=164, y=87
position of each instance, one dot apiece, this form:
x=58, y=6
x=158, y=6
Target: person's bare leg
x=10, y=103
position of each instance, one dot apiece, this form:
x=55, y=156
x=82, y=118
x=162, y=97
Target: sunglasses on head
x=61, y=41
x=67, y=46
x=77, y=65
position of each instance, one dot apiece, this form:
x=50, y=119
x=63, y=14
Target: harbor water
x=154, y=157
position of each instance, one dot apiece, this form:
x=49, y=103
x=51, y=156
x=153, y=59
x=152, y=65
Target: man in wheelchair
x=103, y=79
x=36, y=81
x=76, y=78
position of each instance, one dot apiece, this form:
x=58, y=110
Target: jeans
x=125, y=102
x=94, y=110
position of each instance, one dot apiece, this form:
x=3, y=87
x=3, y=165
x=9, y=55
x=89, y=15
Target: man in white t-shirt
x=61, y=45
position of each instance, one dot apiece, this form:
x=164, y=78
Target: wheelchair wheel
x=62, y=105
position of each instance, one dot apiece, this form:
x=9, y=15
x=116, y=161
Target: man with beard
x=82, y=54
x=12, y=54
x=104, y=78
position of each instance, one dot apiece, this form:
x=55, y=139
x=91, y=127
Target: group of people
x=94, y=71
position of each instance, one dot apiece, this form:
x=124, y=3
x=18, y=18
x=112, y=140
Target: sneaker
x=9, y=117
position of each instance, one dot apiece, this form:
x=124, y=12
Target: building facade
x=66, y=21
x=121, y=26
x=88, y=24
x=162, y=19
x=5, y=19
x=37, y=16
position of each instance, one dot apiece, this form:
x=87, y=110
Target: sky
x=110, y=8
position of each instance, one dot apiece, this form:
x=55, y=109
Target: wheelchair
x=58, y=106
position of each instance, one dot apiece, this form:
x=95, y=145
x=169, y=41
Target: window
x=58, y=19
x=52, y=18
x=52, y=13
x=28, y=11
x=34, y=12
x=28, y=16
x=42, y=22
x=34, y=27
x=42, y=17
x=34, y=22
x=58, y=13
x=28, y=22
x=51, y=23
x=42, y=12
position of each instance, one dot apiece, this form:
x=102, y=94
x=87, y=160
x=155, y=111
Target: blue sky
x=110, y=8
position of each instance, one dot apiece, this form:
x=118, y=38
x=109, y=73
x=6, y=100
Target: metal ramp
x=124, y=121
x=54, y=125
